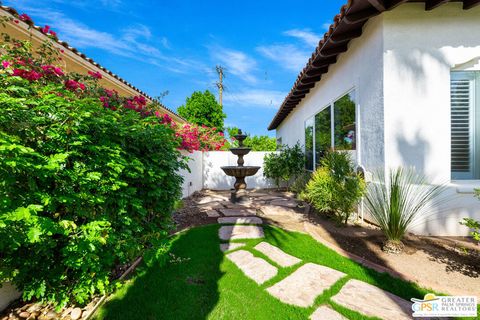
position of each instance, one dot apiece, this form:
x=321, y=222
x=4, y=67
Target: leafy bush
x=396, y=202
x=474, y=226
x=335, y=187
x=285, y=165
x=300, y=182
x=85, y=184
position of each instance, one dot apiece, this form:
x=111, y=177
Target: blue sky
x=175, y=46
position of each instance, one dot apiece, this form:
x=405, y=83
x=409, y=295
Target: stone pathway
x=238, y=212
x=237, y=232
x=239, y=220
x=231, y=246
x=275, y=254
x=255, y=268
x=307, y=282
x=372, y=301
x=326, y=313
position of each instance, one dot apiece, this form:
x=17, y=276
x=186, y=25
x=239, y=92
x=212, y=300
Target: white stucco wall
x=420, y=49
x=193, y=179
x=8, y=293
x=205, y=171
x=361, y=67
x=400, y=68
x=214, y=178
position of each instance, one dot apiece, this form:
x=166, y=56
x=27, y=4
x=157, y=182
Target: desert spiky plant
x=398, y=201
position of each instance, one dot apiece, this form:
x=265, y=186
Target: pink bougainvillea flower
x=52, y=70
x=30, y=75
x=74, y=85
x=53, y=33
x=45, y=29
x=25, y=17
x=6, y=64
x=95, y=75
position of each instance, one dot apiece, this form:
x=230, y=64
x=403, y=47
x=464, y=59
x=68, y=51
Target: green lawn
x=199, y=283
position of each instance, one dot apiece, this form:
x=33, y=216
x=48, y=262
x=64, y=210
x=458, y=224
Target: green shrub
x=285, y=165
x=300, y=182
x=396, y=202
x=335, y=187
x=474, y=226
x=83, y=188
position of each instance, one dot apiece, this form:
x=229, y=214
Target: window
x=309, y=144
x=323, y=133
x=332, y=128
x=465, y=125
x=344, y=120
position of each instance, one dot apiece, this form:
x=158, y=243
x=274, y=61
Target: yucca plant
x=397, y=202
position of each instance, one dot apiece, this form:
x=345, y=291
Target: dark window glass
x=344, y=118
x=309, y=144
x=323, y=133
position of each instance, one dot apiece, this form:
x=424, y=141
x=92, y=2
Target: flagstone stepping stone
x=212, y=213
x=231, y=246
x=270, y=210
x=269, y=198
x=305, y=284
x=284, y=203
x=326, y=313
x=240, y=232
x=275, y=254
x=239, y=212
x=255, y=268
x=210, y=206
x=372, y=301
x=239, y=220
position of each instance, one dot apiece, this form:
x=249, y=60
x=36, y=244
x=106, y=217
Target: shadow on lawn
x=184, y=288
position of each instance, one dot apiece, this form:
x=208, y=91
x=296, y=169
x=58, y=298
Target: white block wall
x=206, y=173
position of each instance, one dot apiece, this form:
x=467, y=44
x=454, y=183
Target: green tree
x=203, y=109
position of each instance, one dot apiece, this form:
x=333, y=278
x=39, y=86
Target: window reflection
x=344, y=119
x=323, y=133
x=309, y=144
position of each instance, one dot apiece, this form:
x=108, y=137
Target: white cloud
x=255, y=98
x=288, y=56
x=306, y=35
x=326, y=26
x=236, y=63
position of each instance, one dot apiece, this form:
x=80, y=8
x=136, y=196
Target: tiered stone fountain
x=240, y=171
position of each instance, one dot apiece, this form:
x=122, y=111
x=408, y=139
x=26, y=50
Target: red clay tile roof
x=347, y=25
x=15, y=14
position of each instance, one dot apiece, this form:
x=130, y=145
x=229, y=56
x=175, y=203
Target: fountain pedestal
x=240, y=171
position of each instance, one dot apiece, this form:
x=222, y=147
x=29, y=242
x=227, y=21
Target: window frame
x=331, y=104
x=474, y=116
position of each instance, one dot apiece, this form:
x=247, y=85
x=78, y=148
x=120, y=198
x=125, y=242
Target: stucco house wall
x=360, y=68
x=420, y=50
x=400, y=68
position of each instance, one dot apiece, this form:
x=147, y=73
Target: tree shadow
x=185, y=287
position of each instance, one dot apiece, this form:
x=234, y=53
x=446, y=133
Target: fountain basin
x=240, y=172
x=240, y=151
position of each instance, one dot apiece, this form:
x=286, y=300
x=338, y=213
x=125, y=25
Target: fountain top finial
x=240, y=137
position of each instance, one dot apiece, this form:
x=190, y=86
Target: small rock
x=50, y=315
x=76, y=314
x=34, y=308
x=66, y=312
x=212, y=213
x=24, y=314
